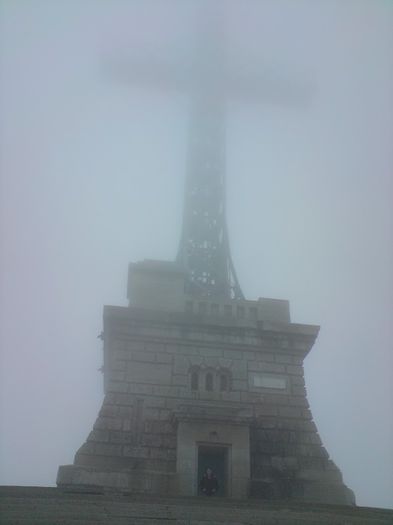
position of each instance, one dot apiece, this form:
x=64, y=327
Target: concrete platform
x=50, y=506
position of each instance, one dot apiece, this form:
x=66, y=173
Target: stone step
x=50, y=506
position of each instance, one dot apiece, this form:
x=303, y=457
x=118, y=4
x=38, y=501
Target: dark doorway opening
x=216, y=458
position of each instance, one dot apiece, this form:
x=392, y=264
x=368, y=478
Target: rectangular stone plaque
x=269, y=381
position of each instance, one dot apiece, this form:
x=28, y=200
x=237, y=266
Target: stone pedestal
x=206, y=374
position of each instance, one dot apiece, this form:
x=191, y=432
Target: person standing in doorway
x=209, y=483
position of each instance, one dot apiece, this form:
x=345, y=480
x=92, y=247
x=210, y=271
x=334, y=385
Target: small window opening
x=223, y=383
x=209, y=382
x=194, y=381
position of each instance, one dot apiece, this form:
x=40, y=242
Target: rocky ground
x=50, y=506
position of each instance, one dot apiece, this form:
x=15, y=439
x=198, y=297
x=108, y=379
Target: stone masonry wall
x=148, y=360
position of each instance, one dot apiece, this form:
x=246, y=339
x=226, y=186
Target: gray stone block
x=143, y=357
x=99, y=436
x=265, y=410
x=239, y=385
x=118, y=375
x=169, y=441
x=118, y=386
x=309, y=426
x=229, y=396
x=276, y=399
x=87, y=448
x=138, y=346
x=149, y=373
x=239, y=369
x=165, y=415
x=108, y=423
x=232, y=354
x=152, y=440
x=141, y=389
x=121, y=437
x=162, y=357
x=125, y=412
x=119, y=364
x=109, y=410
x=298, y=390
x=306, y=413
x=106, y=449
x=155, y=402
x=136, y=452
x=259, y=366
x=73, y=475
x=284, y=359
x=297, y=380
x=250, y=397
x=158, y=427
x=181, y=365
x=298, y=401
x=162, y=453
x=286, y=411
x=127, y=425
x=122, y=355
x=212, y=352
x=295, y=370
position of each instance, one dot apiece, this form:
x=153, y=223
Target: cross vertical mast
x=204, y=246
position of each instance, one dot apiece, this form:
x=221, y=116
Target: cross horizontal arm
x=268, y=88
x=196, y=78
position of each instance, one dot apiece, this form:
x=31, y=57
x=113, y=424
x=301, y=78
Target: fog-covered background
x=92, y=173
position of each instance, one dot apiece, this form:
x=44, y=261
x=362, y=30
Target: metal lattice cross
x=204, y=248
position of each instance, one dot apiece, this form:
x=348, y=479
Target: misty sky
x=92, y=174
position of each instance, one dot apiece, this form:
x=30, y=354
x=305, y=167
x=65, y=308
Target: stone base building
x=191, y=384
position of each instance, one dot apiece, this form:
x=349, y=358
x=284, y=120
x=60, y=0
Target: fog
x=92, y=174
